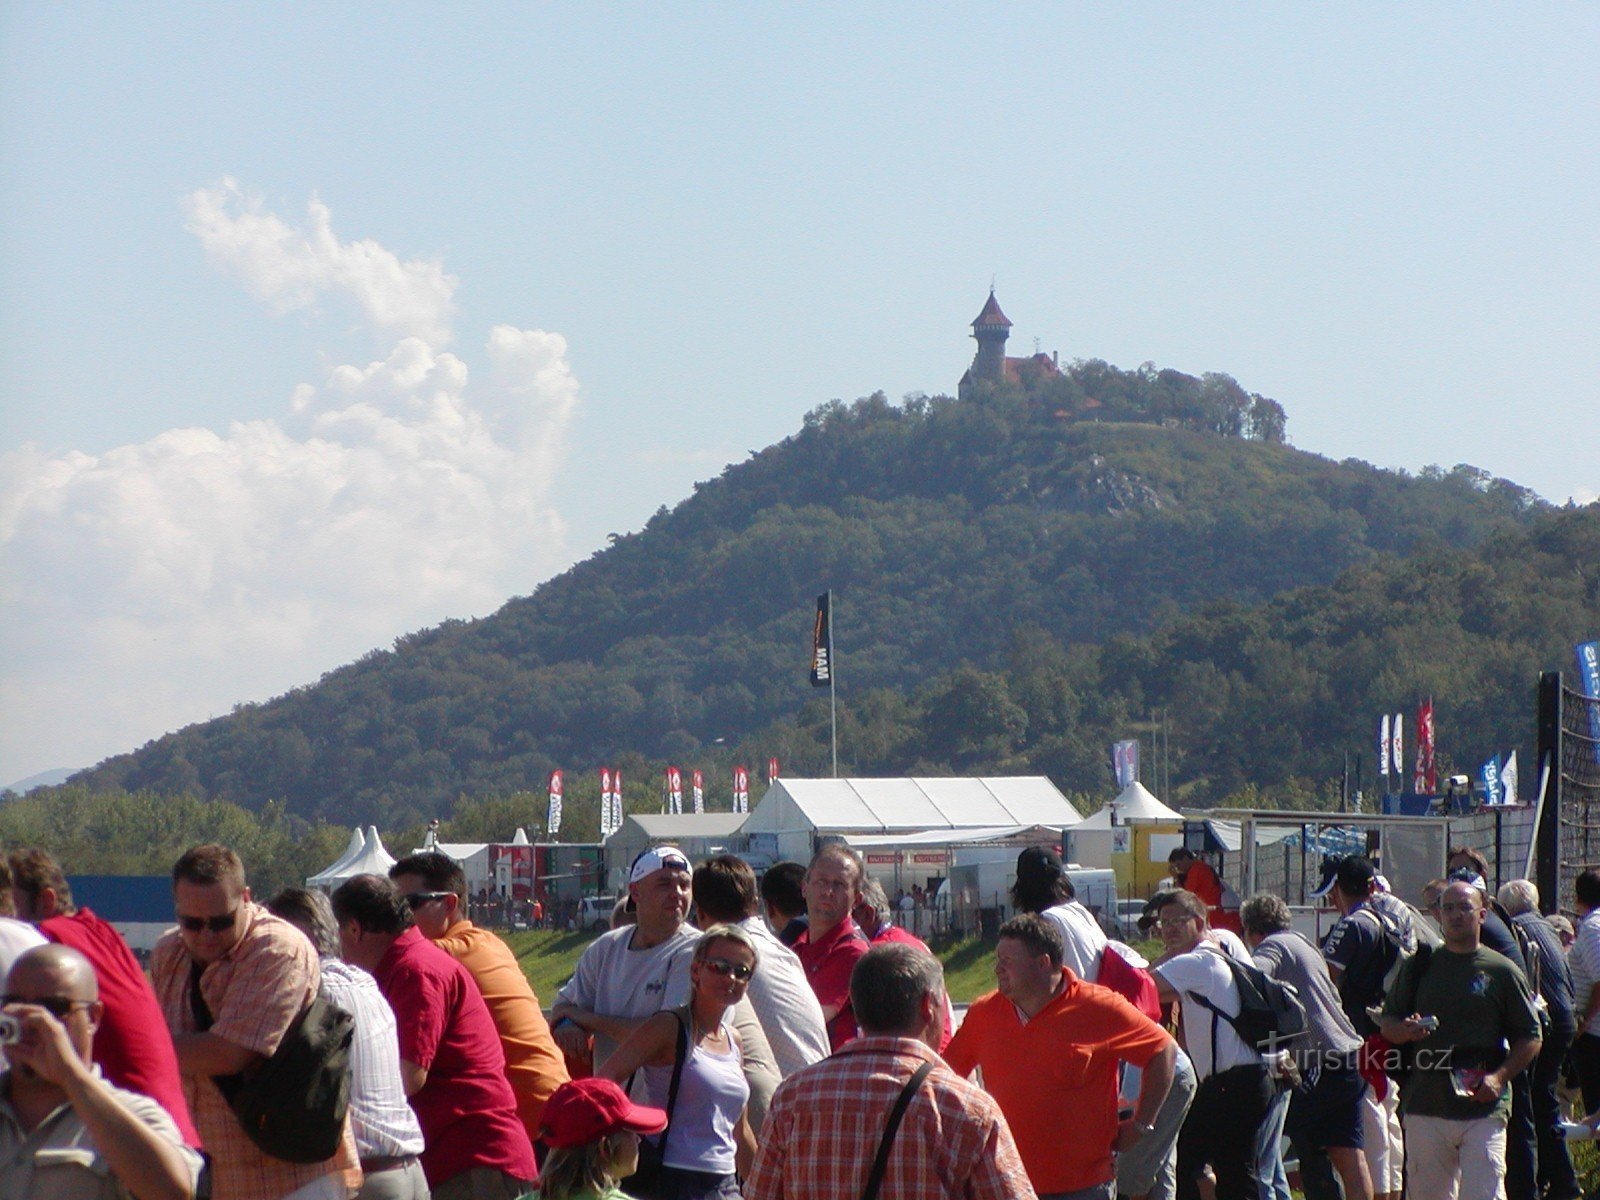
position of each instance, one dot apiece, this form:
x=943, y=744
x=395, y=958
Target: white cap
x=657, y=858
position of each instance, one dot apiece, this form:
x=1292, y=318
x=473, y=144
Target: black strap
x=881, y=1163
x=198, y=1008
x=677, y=1074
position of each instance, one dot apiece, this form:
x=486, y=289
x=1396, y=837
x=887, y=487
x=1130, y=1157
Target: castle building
x=990, y=365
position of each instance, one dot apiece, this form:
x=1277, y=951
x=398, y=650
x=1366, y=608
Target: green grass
x=548, y=958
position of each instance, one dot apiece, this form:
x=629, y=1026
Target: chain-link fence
x=1569, y=745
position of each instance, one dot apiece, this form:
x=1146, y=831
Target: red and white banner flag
x=674, y=790
x=616, y=801
x=741, y=789
x=1397, y=757
x=697, y=785
x=1426, y=781
x=605, y=801
x=1383, y=746
x=552, y=820
x=772, y=770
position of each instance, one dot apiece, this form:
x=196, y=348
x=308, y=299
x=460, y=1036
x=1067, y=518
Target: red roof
x=991, y=315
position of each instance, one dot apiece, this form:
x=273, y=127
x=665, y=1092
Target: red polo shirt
x=828, y=963
x=467, y=1112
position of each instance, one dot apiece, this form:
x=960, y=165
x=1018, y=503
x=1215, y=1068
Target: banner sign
x=1383, y=747
x=1397, y=757
x=822, y=644
x=1589, y=685
x=741, y=789
x=674, y=790
x=552, y=820
x=1489, y=776
x=1125, y=762
x=697, y=784
x=1426, y=782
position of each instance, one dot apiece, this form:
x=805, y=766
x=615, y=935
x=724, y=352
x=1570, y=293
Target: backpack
x=1394, y=936
x=1132, y=983
x=1270, y=1013
x=293, y=1105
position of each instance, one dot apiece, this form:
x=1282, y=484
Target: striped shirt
x=1584, y=961
x=826, y=1122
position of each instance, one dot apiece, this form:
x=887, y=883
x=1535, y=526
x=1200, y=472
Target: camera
x=10, y=1030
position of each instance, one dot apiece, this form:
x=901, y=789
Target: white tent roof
x=688, y=825
x=370, y=859
x=358, y=843
x=1136, y=803
x=940, y=837
x=885, y=805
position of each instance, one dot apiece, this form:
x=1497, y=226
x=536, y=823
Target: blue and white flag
x=1508, y=780
x=1589, y=685
x=1489, y=774
x=1125, y=762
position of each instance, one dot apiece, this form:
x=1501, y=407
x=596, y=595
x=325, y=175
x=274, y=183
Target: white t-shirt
x=1232, y=944
x=1204, y=972
x=1084, y=940
x=615, y=980
x=784, y=1002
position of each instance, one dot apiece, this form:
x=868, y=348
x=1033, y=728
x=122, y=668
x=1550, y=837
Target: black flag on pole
x=821, y=645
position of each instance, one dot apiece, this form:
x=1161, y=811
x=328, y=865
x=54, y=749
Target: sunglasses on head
x=417, y=899
x=215, y=924
x=57, y=1006
x=721, y=966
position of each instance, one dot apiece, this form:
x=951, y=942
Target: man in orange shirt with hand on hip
x=1049, y=1044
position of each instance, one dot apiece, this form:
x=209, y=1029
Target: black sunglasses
x=214, y=924
x=721, y=966
x=417, y=899
x=56, y=1006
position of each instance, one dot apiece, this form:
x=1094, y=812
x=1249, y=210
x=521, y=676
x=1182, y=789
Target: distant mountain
x=43, y=779
x=1095, y=505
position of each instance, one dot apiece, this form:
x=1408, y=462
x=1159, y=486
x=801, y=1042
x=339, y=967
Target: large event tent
x=364, y=855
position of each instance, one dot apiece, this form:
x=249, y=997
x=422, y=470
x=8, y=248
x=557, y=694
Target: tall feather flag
x=674, y=790
x=697, y=782
x=1427, y=780
x=772, y=770
x=1383, y=749
x=605, y=801
x=1489, y=776
x=1397, y=757
x=616, y=801
x=741, y=789
x=552, y=820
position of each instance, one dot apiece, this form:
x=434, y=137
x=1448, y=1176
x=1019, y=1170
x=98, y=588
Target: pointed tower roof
x=991, y=317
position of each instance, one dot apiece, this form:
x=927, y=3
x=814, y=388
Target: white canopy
x=369, y=858
x=1136, y=803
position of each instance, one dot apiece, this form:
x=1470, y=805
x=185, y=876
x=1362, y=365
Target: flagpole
x=833, y=698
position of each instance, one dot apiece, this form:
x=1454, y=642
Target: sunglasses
x=417, y=899
x=57, y=1006
x=721, y=966
x=215, y=924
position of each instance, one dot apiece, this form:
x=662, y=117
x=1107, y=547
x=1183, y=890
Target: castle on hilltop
x=991, y=366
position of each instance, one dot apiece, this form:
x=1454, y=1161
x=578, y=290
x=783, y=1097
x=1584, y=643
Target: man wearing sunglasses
x=436, y=889
x=64, y=1131
x=231, y=980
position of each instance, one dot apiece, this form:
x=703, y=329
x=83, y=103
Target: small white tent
x=366, y=857
x=1089, y=842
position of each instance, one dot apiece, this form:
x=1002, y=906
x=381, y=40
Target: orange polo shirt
x=534, y=1065
x=1055, y=1076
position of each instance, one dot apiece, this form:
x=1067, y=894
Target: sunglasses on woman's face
x=721, y=966
x=214, y=924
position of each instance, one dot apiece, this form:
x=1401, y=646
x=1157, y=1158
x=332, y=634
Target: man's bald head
x=53, y=969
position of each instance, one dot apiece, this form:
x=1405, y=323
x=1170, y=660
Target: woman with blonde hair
x=592, y=1129
x=692, y=1067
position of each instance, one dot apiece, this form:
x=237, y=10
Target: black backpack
x=293, y=1105
x=1271, y=1016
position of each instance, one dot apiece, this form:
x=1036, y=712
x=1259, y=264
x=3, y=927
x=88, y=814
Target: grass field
x=548, y=958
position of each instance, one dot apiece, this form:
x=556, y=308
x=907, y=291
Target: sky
x=322, y=323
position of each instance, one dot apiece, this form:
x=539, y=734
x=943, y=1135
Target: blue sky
x=567, y=260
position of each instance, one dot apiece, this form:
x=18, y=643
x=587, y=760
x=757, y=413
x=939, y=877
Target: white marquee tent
x=364, y=855
x=1089, y=842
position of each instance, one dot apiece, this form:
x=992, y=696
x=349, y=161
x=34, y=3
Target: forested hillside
x=1024, y=556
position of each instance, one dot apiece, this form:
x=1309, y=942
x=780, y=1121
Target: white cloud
x=159, y=583
x=291, y=268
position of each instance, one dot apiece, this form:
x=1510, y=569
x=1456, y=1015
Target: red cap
x=588, y=1109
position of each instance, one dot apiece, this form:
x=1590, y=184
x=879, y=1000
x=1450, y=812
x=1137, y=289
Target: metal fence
x=1569, y=758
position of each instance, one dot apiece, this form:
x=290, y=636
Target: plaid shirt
x=254, y=992
x=826, y=1121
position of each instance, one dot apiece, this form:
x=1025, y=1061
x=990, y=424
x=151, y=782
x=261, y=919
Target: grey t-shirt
x=1290, y=958
x=615, y=980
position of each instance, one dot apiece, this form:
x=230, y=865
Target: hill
x=955, y=534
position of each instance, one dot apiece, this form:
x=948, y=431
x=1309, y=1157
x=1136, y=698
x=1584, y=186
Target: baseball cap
x=585, y=1110
x=1354, y=875
x=1038, y=864
x=1468, y=875
x=657, y=858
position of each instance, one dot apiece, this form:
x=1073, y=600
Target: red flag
x=741, y=789
x=697, y=782
x=1427, y=779
x=674, y=790
x=772, y=770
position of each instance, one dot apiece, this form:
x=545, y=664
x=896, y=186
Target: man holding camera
x=65, y=1133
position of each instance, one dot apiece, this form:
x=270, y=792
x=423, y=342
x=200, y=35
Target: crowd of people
x=795, y=1041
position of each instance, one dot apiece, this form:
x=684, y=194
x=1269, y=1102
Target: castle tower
x=991, y=329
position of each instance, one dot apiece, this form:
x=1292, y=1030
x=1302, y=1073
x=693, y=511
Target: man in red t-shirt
x=131, y=1044
x=451, y=1064
x=1050, y=1044
x=1195, y=875
x=832, y=944
x=875, y=919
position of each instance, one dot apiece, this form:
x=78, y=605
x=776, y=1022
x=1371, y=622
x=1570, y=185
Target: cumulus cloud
x=162, y=582
x=290, y=268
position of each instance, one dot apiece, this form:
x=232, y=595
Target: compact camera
x=10, y=1030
